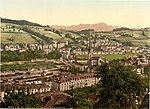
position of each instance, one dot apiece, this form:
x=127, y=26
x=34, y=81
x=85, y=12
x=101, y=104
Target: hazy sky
x=129, y=13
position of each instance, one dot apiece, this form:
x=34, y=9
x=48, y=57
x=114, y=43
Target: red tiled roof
x=143, y=65
x=57, y=98
x=30, y=86
x=75, y=77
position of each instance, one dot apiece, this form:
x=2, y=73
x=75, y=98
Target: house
x=96, y=61
x=80, y=66
x=81, y=60
x=140, y=68
x=52, y=99
x=33, y=88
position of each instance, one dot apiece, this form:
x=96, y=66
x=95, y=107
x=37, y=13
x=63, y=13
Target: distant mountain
x=19, y=22
x=97, y=27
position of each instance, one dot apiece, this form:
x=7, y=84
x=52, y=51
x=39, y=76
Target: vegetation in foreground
x=20, y=99
x=119, y=87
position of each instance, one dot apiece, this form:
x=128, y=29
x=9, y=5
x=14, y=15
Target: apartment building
x=70, y=81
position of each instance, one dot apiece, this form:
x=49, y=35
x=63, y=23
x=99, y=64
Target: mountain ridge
x=96, y=26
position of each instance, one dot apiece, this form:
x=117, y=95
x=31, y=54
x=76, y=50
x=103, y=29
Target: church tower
x=89, y=51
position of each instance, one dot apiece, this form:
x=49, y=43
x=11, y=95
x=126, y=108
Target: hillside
x=15, y=31
x=19, y=22
x=21, y=31
x=96, y=27
x=138, y=37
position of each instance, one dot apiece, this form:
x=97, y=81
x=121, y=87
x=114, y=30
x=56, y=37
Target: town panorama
x=58, y=67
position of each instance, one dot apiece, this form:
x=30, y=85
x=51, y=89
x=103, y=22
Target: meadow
x=16, y=38
x=111, y=57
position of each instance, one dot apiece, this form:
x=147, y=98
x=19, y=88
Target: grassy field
x=17, y=38
x=117, y=56
x=136, y=42
x=141, y=42
x=110, y=57
x=48, y=34
x=72, y=34
x=138, y=34
x=53, y=35
x=100, y=33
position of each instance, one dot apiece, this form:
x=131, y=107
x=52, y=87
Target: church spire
x=89, y=50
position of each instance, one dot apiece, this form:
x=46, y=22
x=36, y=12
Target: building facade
x=74, y=81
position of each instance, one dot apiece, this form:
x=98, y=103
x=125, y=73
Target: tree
x=19, y=98
x=147, y=70
x=79, y=99
x=120, y=85
x=54, y=55
x=68, y=35
x=145, y=102
x=143, y=33
x=39, y=35
x=127, y=43
x=57, y=32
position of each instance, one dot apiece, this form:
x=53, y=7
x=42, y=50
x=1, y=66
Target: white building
x=33, y=88
x=68, y=82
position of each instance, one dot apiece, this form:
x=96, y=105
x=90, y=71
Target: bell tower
x=89, y=51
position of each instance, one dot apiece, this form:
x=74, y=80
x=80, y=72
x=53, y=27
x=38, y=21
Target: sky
x=123, y=13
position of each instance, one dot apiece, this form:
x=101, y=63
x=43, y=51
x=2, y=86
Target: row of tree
x=39, y=35
x=28, y=55
x=19, y=22
x=27, y=65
